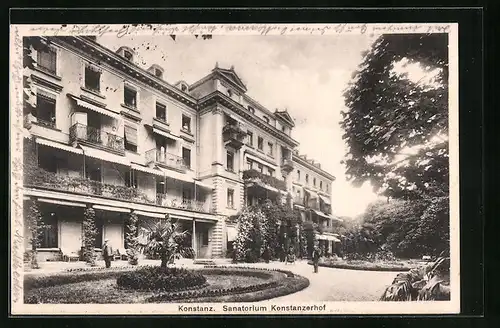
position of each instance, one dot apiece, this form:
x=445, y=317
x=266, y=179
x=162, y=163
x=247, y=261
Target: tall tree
x=396, y=127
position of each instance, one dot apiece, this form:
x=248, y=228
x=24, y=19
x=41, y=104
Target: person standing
x=315, y=257
x=107, y=253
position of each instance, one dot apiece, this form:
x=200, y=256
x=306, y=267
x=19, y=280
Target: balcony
x=286, y=165
x=39, y=178
x=97, y=138
x=185, y=204
x=233, y=135
x=330, y=229
x=260, y=178
x=167, y=160
x=29, y=120
x=298, y=200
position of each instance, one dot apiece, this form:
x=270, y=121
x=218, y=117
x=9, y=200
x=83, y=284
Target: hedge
x=155, y=278
x=375, y=267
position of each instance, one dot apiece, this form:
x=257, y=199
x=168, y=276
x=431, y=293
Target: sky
x=305, y=74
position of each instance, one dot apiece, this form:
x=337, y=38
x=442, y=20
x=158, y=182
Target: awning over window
x=150, y=214
x=60, y=202
x=166, y=134
x=327, y=237
x=105, y=156
x=58, y=145
x=147, y=169
x=97, y=109
x=204, y=185
x=261, y=161
x=111, y=208
x=131, y=134
x=178, y=176
x=231, y=233
x=312, y=194
x=325, y=200
x=326, y=216
x=45, y=94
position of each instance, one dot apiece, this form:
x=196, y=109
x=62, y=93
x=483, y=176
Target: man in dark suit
x=315, y=257
x=107, y=253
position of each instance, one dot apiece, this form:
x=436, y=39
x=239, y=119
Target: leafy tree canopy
x=396, y=126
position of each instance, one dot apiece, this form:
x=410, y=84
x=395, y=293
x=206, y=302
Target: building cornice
x=310, y=166
x=102, y=53
x=218, y=97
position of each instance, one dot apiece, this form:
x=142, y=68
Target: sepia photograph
x=234, y=170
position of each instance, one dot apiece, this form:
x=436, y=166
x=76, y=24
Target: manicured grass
x=101, y=288
x=396, y=266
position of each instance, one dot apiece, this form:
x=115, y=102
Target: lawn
x=392, y=265
x=89, y=290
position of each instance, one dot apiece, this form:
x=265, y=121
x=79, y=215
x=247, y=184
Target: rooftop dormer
x=183, y=86
x=126, y=52
x=156, y=70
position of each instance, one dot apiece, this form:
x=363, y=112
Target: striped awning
x=105, y=156
x=204, y=185
x=97, y=109
x=166, y=134
x=147, y=169
x=326, y=216
x=150, y=214
x=60, y=202
x=311, y=193
x=178, y=176
x=111, y=208
x=131, y=134
x=261, y=161
x=325, y=200
x=58, y=145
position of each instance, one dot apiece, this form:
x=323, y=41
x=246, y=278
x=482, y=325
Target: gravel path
x=331, y=284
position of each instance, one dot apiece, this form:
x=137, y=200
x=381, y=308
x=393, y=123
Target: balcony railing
x=39, y=178
x=287, y=165
x=254, y=175
x=91, y=135
x=298, y=200
x=30, y=119
x=186, y=204
x=165, y=159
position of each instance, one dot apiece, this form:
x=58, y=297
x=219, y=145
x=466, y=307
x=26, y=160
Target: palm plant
x=166, y=240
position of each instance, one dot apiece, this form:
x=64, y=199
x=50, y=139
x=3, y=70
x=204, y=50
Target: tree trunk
x=164, y=261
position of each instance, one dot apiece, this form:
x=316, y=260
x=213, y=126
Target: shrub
x=161, y=279
x=39, y=281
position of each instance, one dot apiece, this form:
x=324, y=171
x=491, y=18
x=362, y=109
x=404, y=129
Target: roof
x=284, y=116
x=231, y=76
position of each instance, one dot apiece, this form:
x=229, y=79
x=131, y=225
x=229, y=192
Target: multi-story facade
x=110, y=135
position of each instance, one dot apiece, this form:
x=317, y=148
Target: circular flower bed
x=364, y=265
x=155, y=278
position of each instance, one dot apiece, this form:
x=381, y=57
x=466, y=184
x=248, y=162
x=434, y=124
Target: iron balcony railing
x=183, y=203
x=158, y=156
x=254, y=175
x=81, y=132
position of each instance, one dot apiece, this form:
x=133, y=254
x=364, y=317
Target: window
x=307, y=178
x=186, y=123
x=230, y=198
x=130, y=97
x=249, y=164
x=261, y=168
x=327, y=187
x=130, y=138
x=186, y=195
x=46, y=161
x=230, y=161
x=183, y=88
x=271, y=146
x=230, y=92
x=186, y=156
x=46, y=110
x=251, y=109
x=92, y=78
x=260, y=143
x=131, y=179
x=161, y=112
x=283, y=128
x=48, y=236
x=250, y=138
x=321, y=185
x=266, y=119
x=47, y=59
x=270, y=171
x=314, y=182
x=158, y=73
x=298, y=175
x=128, y=55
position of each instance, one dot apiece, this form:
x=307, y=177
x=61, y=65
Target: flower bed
x=155, y=278
x=365, y=265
